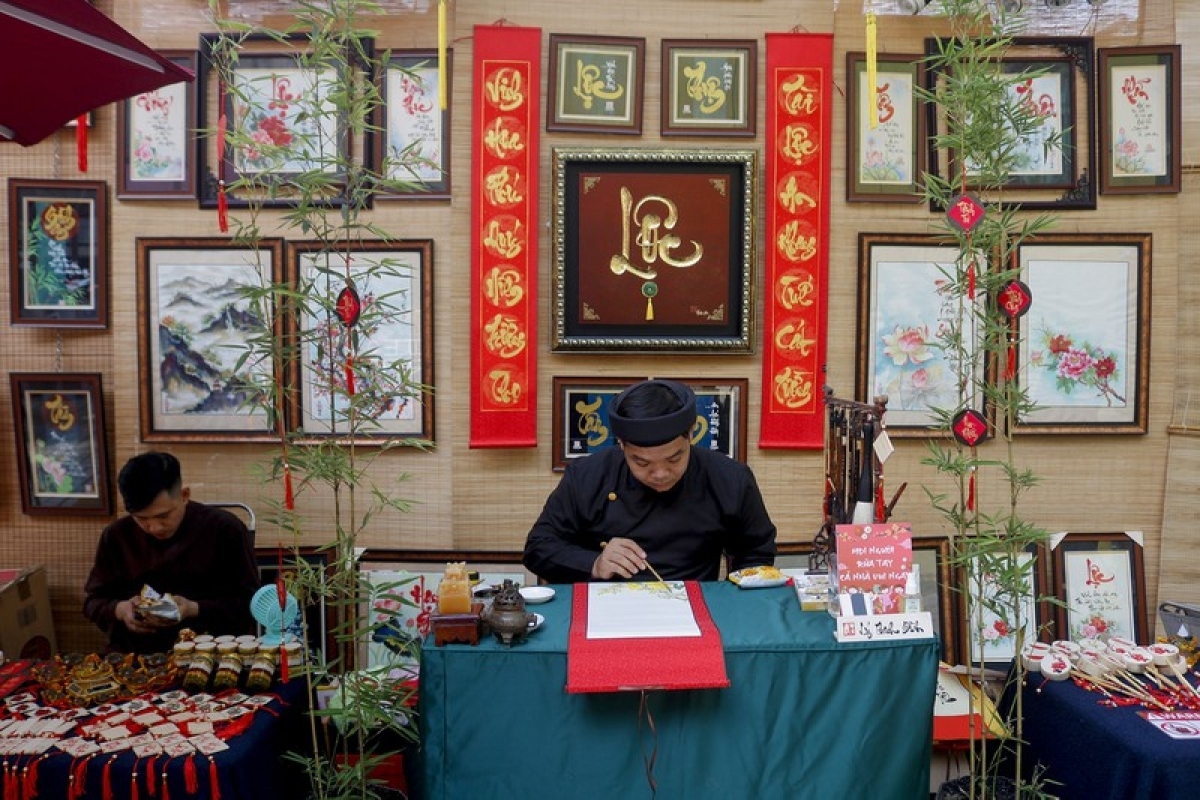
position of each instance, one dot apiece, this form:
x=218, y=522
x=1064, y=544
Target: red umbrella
x=64, y=58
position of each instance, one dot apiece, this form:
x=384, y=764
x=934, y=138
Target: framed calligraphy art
x=58, y=253
x=390, y=344
x=413, y=143
x=709, y=87
x=1101, y=583
x=62, y=456
x=581, y=405
x=902, y=306
x=992, y=628
x=1054, y=78
x=282, y=124
x=1084, y=350
x=884, y=161
x=156, y=155
x=195, y=326
x=653, y=250
x=1140, y=119
x=596, y=83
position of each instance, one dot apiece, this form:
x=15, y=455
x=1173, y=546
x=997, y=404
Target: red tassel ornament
x=166, y=790
x=214, y=783
x=971, y=280
x=81, y=141
x=191, y=781
x=106, y=787
x=971, y=491
x=289, y=496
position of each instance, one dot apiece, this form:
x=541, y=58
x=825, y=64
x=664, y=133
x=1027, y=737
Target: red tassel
x=1010, y=365
x=151, y=786
x=133, y=782
x=81, y=142
x=191, y=781
x=283, y=664
x=971, y=491
x=106, y=789
x=880, y=507
x=350, y=375
x=289, y=497
x=222, y=200
x=31, y=778
x=222, y=208
x=214, y=783
x=80, y=776
x=971, y=280
x=166, y=790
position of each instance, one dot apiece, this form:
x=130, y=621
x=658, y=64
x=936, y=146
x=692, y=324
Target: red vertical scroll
x=504, y=203
x=799, y=118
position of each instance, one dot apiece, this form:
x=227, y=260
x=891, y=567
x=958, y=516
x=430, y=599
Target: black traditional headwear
x=653, y=431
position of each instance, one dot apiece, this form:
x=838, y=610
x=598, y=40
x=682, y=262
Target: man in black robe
x=199, y=554
x=655, y=499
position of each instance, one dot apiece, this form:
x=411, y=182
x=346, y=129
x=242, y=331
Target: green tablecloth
x=804, y=717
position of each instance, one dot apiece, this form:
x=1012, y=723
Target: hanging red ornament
x=1015, y=299
x=289, y=496
x=222, y=200
x=81, y=141
x=971, y=491
x=969, y=427
x=349, y=306
x=350, y=375
x=971, y=280
x=965, y=212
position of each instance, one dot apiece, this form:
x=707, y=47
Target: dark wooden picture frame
x=58, y=253
x=1100, y=580
x=1066, y=92
x=412, y=144
x=581, y=427
x=1141, y=123
x=1084, y=356
x=710, y=87
x=192, y=388
x=596, y=84
x=156, y=131
x=665, y=260
x=885, y=164
x=404, y=281
x=62, y=452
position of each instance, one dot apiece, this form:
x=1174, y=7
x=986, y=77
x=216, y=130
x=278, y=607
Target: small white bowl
x=537, y=594
x=536, y=621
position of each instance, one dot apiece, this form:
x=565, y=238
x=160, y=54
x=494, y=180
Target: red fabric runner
x=618, y=665
x=504, y=205
x=799, y=122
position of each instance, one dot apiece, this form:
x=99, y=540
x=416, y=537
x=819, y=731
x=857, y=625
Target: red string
x=214, y=784
x=81, y=141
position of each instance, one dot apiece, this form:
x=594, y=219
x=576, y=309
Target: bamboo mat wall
x=486, y=499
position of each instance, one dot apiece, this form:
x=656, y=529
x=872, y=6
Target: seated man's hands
x=621, y=557
x=127, y=613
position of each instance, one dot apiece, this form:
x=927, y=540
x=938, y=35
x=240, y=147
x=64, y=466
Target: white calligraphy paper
x=639, y=611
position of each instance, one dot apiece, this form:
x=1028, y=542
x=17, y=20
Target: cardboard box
x=26, y=626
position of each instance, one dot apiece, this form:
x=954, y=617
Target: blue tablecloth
x=805, y=717
x=1098, y=752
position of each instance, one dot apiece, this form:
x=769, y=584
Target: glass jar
x=181, y=655
x=262, y=671
x=199, y=671
x=229, y=671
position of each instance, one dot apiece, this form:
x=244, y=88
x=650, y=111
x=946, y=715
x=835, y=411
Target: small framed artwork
x=1084, y=356
x=156, y=154
x=390, y=344
x=709, y=87
x=1140, y=119
x=281, y=123
x=596, y=83
x=885, y=158
x=903, y=303
x=653, y=250
x=58, y=253
x=196, y=323
x=1101, y=581
x=306, y=571
x=62, y=456
x=1053, y=77
x=413, y=145
x=991, y=632
x=581, y=406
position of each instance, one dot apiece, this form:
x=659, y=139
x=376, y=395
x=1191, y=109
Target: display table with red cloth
x=803, y=717
x=1099, y=752
x=251, y=769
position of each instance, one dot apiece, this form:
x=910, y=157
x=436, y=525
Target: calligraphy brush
x=649, y=566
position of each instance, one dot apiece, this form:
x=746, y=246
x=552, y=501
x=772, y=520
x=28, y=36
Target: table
x=1097, y=752
x=804, y=717
x=249, y=770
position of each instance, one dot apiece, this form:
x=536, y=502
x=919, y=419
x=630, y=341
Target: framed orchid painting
x=155, y=133
x=1084, y=351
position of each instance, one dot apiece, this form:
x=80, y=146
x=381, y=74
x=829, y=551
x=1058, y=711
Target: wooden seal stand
x=457, y=628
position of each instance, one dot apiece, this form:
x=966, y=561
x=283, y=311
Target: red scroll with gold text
x=504, y=203
x=799, y=115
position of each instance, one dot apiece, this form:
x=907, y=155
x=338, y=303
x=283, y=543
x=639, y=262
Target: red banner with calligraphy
x=799, y=119
x=504, y=203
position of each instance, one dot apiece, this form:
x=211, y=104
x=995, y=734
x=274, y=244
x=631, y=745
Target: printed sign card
x=873, y=563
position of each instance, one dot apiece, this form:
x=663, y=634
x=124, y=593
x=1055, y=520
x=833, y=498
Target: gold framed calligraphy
x=581, y=415
x=412, y=146
x=156, y=154
x=61, y=452
x=1140, y=124
x=665, y=260
x=596, y=83
x=709, y=87
x=884, y=161
x=1100, y=579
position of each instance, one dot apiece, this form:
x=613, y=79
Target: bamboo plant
x=318, y=324
x=983, y=131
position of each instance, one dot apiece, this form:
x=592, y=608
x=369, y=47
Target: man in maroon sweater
x=202, y=556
